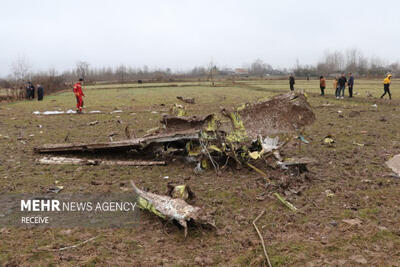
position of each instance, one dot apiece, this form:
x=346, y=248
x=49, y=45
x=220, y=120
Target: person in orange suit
x=79, y=94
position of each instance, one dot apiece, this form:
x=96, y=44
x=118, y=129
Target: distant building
x=242, y=71
x=227, y=71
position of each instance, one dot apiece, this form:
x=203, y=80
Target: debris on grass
x=69, y=111
x=177, y=110
x=329, y=140
x=212, y=140
x=80, y=161
x=180, y=191
x=186, y=100
x=183, y=123
x=394, y=164
x=124, y=145
x=358, y=144
x=92, y=123
x=55, y=189
x=285, y=202
x=296, y=165
x=169, y=208
x=283, y=113
x=352, y=222
x=301, y=137
x=329, y=193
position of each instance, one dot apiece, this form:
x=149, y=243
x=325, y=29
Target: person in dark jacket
x=350, y=84
x=342, y=85
x=32, y=87
x=28, y=90
x=291, y=82
x=40, y=92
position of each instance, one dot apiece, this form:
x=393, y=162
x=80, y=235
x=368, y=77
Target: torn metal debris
x=136, y=143
x=79, y=161
x=394, y=164
x=242, y=135
x=169, y=208
x=58, y=112
x=186, y=100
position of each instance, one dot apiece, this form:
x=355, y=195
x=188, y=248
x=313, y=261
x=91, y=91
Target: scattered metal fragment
x=352, y=222
x=180, y=191
x=285, y=202
x=280, y=114
x=58, y=112
x=79, y=161
x=186, y=100
x=296, y=165
x=301, y=137
x=394, y=164
x=170, y=208
x=92, y=123
x=177, y=110
x=55, y=189
x=136, y=143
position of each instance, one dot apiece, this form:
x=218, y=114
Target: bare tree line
x=351, y=60
x=331, y=63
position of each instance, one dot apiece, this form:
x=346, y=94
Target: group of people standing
x=30, y=91
x=339, y=85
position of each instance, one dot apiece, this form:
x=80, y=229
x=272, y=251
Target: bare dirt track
x=349, y=205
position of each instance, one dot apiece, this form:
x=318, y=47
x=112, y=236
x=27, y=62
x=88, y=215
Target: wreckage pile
x=239, y=136
x=245, y=136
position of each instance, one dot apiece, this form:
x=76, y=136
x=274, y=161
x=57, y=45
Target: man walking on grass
x=350, y=84
x=386, y=86
x=291, y=82
x=342, y=85
x=79, y=94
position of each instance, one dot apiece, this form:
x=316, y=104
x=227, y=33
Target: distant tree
x=20, y=69
x=82, y=69
x=259, y=68
x=212, y=70
x=121, y=73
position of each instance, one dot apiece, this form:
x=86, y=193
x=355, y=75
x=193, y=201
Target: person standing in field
x=336, y=87
x=386, y=86
x=32, y=88
x=342, y=85
x=40, y=92
x=28, y=91
x=322, y=85
x=79, y=94
x=350, y=84
x=291, y=82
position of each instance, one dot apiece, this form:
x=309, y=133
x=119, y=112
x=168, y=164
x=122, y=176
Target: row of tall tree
x=351, y=60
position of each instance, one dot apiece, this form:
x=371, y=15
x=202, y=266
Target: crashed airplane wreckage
x=241, y=135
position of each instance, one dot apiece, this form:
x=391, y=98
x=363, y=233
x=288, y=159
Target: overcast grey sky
x=182, y=34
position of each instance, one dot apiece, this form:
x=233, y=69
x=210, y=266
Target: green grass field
x=315, y=236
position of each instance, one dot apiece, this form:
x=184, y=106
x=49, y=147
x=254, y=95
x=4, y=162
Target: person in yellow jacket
x=386, y=86
x=335, y=86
